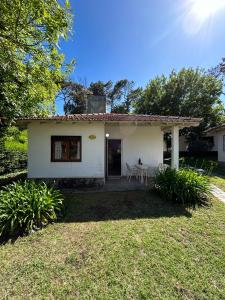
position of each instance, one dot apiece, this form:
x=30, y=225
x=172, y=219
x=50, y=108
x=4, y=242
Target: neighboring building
x=218, y=135
x=98, y=145
x=209, y=143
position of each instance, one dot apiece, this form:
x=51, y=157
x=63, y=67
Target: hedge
x=12, y=177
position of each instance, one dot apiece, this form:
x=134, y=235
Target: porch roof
x=214, y=129
x=112, y=117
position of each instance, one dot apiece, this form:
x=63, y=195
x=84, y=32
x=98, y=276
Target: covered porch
x=139, y=145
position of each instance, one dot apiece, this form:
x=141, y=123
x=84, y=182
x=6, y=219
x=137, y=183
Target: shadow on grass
x=119, y=205
x=12, y=240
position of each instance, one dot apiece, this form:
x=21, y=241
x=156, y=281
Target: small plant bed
x=27, y=206
x=124, y=245
x=184, y=186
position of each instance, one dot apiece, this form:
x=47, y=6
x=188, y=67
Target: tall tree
x=120, y=96
x=189, y=92
x=74, y=97
x=31, y=66
x=124, y=95
x=100, y=88
x=219, y=71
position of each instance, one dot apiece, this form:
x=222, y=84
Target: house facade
x=98, y=145
x=218, y=134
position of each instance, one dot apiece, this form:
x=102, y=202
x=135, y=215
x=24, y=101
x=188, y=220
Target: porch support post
x=175, y=148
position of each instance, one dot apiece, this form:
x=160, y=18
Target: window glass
x=58, y=150
x=66, y=148
x=74, y=150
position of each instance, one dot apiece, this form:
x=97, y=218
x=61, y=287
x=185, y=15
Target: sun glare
x=201, y=13
x=203, y=9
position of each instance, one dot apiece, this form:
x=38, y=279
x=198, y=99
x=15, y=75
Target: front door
x=114, y=157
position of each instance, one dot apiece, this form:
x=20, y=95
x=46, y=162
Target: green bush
x=12, y=177
x=11, y=161
x=16, y=140
x=13, y=150
x=199, y=163
x=184, y=186
x=27, y=206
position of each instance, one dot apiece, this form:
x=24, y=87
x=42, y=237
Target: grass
x=218, y=177
x=124, y=245
x=218, y=181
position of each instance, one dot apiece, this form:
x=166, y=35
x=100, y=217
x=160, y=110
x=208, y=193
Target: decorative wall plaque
x=92, y=137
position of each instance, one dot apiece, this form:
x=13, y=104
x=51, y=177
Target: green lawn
x=218, y=181
x=124, y=245
x=218, y=177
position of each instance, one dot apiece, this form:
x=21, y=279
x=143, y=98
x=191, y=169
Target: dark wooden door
x=114, y=157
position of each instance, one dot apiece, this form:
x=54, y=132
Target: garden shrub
x=199, y=163
x=184, y=186
x=16, y=140
x=12, y=177
x=13, y=150
x=11, y=161
x=27, y=206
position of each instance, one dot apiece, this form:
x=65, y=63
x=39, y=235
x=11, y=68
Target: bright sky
x=139, y=39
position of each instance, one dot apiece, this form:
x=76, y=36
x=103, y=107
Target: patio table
x=143, y=171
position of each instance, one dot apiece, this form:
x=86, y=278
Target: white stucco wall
x=221, y=152
x=215, y=139
x=145, y=142
x=39, y=150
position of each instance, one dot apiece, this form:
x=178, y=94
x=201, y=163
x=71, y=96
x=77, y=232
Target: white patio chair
x=163, y=167
x=131, y=171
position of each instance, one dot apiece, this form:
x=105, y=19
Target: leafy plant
x=11, y=161
x=27, y=206
x=188, y=92
x=184, y=186
x=199, y=163
x=12, y=177
x=31, y=64
x=16, y=140
x=13, y=150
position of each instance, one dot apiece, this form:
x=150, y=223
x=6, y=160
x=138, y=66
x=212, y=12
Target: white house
x=218, y=134
x=98, y=145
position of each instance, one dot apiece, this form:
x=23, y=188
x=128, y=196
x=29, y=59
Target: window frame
x=67, y=138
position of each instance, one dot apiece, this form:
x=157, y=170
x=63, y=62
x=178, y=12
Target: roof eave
x=181, y=124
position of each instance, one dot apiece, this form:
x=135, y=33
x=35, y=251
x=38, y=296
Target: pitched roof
x=215, y=128
x=110, y=117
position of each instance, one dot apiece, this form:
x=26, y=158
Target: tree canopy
x=120, y=96
x=100, y=88
x=124, y=95
x=31, y=65
x=219, y=71
x=74, y=97
x=189, y=92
